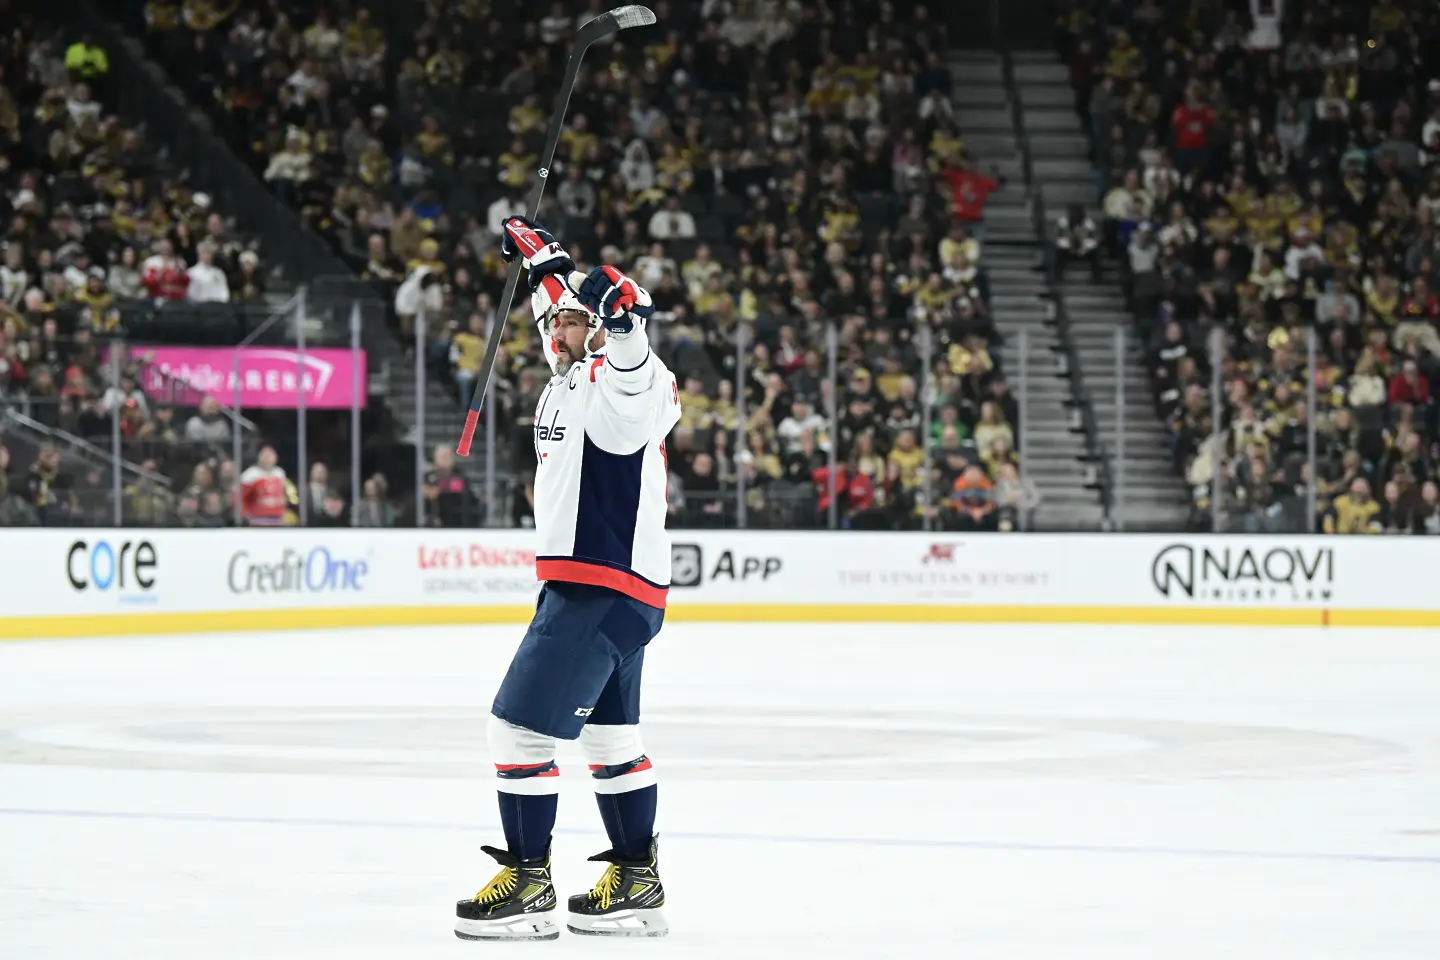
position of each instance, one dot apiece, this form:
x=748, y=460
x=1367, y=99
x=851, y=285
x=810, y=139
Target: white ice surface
x=846, y=792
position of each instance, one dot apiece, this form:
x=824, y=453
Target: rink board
x=56, y=583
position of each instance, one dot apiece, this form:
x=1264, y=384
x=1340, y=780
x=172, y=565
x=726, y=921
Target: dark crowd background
x=782, y=176
x=1268, y=169
x=773, y=170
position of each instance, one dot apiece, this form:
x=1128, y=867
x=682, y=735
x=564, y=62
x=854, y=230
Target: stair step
x=1074, y=167
x=1058, y=147
x=996, y=120
x=988, y=146
x=982, y=94
x=1060, y=195
x=1047, y=95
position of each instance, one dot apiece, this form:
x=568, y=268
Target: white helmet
x=568, y=300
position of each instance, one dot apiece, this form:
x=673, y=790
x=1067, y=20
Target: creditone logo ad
x=1226, y=574
x=126, y=569
x=476, y=568
x=313, y=571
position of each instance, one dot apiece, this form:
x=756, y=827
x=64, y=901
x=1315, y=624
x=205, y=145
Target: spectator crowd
x=769, y=169
x=780, y=175
x=98, y=235
x=1269, y=173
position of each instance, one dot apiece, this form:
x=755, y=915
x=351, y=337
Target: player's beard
x=564, y=360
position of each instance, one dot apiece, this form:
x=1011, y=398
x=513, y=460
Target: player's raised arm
x=624, y=307
x=548, y=267
x=636, y=397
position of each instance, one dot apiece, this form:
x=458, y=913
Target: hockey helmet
x=568, y=301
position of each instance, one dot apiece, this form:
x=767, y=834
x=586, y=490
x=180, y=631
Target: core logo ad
x=124, y=569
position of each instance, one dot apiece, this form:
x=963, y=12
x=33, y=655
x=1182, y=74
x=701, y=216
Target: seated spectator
x=15, y=509
x=208, y=426
x=802, y=421
x=1355, y=511
x=1077, y=238
x=448, y=499
x=212, y=514
x=165, y=276
x=972, y=506
x=1016, y=499
x=703, y=493
x=207, y=282
x=373, y=510
x=672, y=222
x=48, y=489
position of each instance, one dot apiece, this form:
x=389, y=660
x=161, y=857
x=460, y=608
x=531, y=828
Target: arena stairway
x=444, y=418
x=1056, y=455
x=1149, y=495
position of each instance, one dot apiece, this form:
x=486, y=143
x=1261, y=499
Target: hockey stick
x=621, y=18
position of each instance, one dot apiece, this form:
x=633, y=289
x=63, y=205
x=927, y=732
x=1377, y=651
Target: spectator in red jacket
x=1410, y=386
x=1421, y=304
x=821, y=479
x=860, y=508
x=165, y=275
x=968, y=192
x=1191, y=122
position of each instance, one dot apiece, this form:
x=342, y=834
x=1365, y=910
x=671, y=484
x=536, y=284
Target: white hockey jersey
x=602, y=468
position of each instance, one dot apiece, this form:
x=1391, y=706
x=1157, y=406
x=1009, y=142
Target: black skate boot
x=518, y=904
x=625, y=903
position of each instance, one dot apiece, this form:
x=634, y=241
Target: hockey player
x=604, y=559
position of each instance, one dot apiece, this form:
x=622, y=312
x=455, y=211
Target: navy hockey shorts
x=580, y=661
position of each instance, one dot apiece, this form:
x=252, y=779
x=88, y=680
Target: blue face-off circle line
x=1302, y=856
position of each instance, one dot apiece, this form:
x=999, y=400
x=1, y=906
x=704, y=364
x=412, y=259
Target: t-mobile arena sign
x=269, y=377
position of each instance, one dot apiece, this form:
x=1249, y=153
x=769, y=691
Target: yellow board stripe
x=339, y=618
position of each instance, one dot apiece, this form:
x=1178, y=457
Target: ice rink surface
x=837, y=791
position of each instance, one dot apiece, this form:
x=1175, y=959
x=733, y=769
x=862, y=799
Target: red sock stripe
x=554, y=771
x=644, y=764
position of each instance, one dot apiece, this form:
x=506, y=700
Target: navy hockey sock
x=629, y=820
x=528, y=822
x=528, y=798
x=627, y=795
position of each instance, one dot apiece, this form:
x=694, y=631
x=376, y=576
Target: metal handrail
x=55, y=433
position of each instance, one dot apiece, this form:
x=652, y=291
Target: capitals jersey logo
x=545, y=432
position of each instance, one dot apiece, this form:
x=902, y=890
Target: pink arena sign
x=269, y=376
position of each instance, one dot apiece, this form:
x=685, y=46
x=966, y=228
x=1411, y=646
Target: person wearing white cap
x=1302, y=248
x=14, y=278
x=208, y=283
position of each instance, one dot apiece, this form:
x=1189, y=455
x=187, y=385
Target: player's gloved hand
x=537, y=248
x=615, y=299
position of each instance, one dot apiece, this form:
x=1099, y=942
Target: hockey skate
x=625, y=902
x=518, y=904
